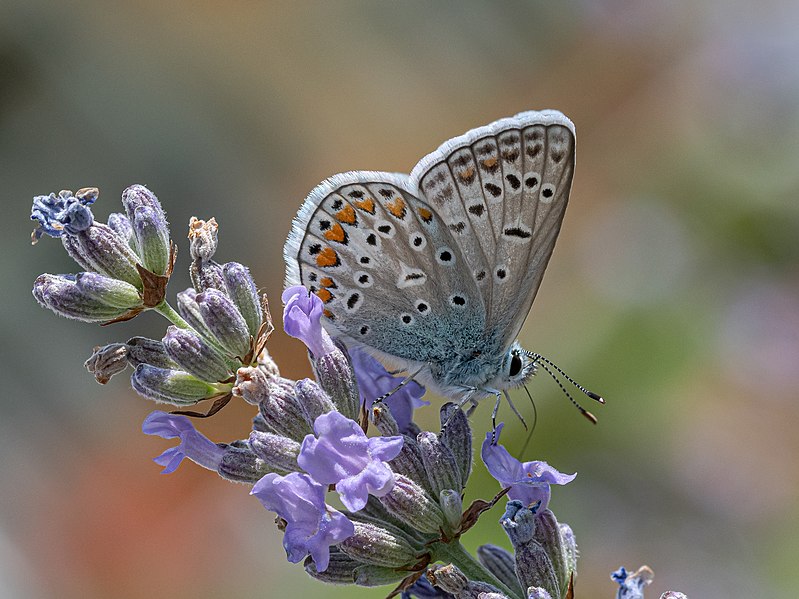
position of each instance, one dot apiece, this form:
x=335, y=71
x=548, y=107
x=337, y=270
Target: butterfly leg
x=404, y=382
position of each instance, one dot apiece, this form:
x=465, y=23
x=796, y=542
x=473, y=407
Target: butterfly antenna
x=541, y=359
x=532, y=428
x=583, y=411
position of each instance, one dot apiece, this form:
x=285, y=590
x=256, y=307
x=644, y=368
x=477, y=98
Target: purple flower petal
x=529, y=481
x=311, y=525
x=193, y=445
x=62, y=213
x=343, y=455
x=302, y=318
x=374, y=381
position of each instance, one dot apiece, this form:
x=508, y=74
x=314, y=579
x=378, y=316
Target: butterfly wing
x=387, y=269
x=502, y=190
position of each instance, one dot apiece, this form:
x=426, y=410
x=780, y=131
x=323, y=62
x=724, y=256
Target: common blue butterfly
x=435, y=272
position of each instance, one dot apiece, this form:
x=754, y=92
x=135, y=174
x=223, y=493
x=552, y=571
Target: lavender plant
x=401, y=489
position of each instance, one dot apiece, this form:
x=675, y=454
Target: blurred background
x=674, y=289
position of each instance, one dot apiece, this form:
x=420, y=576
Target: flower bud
x=151, y=235
x=224, y=321
x=61, y=294
x=206, y=275
x=452, y=506
x=241, y=465
x=368, y=575
x=376, y=512
x=170, y=386
x=451, y=580
x=384, y=420
x=142, y=350
x=457, y=435
x=376, y=545
x=439, y=462
x=533, y=566
x=409, y=463
x=194, y=355
x=72, y=246
x=547, y=533
x=137, y=196
x=109, y=254
x=538, y=593
x=242, y=290
x=108, y=291
x=340, y=569
x=252, y=385
x=267, y=364
x=673, y=595
x=275, y=398
x=501, y=564
x=411, y=504
x=278, y=453
x=190, y=312
x=121, y=226
x=107, y=361
x=202, y=238
x=334, y=373
x=312, y=399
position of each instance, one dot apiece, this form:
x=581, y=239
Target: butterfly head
x=517, y=367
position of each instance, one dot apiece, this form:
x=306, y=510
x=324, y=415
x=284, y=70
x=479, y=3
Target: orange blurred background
x=674, y=289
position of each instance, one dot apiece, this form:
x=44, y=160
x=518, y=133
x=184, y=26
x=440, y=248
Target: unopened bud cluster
x=402, y=488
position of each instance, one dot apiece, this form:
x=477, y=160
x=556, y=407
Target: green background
x=674, y=289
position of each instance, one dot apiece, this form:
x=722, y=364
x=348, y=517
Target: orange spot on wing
x=426, y=214
x=346, y=215
x=367, y=205
x=327, y=282
x=336, y=233
x=327, y=258
x=324, y=295
x=328, y=313
x=490, y=162
x=466, y=175
x=397, y=207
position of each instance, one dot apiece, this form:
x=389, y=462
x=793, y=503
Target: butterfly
x=436, y=271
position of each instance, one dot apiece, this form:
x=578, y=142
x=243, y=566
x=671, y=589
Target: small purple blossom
x=193, y=444
x=311, y=525
x=375, y=381
x=343, y=455
x=529, y=481
x=631, y=586
x=302, y=318
x=62, y=213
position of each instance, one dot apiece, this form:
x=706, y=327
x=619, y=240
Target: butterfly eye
x=515, y=365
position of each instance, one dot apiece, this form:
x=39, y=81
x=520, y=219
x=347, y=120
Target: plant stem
x=456, y=554
x=168, y=312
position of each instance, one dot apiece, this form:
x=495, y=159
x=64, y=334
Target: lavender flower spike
x=312, y=527
x=302, y=316
x=343, y=455
x=529, y=481
x=193, y=445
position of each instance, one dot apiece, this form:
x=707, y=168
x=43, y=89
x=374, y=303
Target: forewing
x=386, y=267
x=502, y=190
